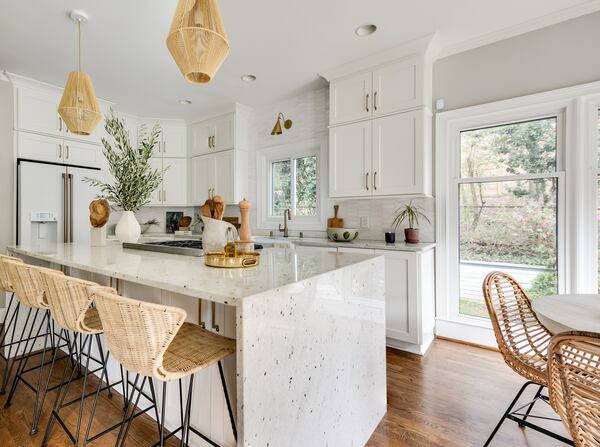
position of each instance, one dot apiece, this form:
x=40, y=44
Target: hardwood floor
x=452, y=397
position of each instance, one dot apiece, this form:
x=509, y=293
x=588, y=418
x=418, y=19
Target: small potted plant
x=134, y=178
x=412, y=213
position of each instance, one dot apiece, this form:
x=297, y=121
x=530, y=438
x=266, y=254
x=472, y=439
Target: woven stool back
x=5, y=284
x=574, y=374
x=137, y=333
x=522, y=339
x=69, y=300
x=28, y=284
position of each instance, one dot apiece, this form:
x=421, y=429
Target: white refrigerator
x=53, y=203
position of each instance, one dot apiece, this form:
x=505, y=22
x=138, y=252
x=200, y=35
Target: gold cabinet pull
x=375, y=101
x=367, y=181
x=67, y=152
x=60, y=151
x=367, y=102
x=60, y=124
x=209, y=142
x=375, y=180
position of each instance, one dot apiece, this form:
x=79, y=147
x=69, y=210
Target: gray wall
x=549, y=58
x=6, y=165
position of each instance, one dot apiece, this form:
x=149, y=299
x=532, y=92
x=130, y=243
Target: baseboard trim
x=478, y=335
x=468, y=343
x=419, y=349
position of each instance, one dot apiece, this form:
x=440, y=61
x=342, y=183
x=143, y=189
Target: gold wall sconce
x=287, y=124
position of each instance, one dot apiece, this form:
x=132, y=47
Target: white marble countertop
x=312, y=242
x=188, y=275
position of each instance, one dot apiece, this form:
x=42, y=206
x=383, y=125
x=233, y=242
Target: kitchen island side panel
x=312, y=358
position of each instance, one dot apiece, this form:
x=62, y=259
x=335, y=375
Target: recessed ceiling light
x=249, y=78
x=365, y=30
x=185, y=102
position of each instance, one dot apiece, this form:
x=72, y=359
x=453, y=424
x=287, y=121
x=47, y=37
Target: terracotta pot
x=411, y=235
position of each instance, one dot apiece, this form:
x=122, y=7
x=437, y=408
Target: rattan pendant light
x=197, y=39
x=78, y=106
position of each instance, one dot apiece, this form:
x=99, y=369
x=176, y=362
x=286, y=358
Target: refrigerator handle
x=70, y=207
x=65, y=209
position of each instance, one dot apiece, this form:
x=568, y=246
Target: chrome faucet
x=287, y=215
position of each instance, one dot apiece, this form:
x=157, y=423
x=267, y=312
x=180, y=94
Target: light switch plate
x=364, y=222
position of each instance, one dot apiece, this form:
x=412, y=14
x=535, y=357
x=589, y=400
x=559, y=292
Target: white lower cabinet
x=409, y=297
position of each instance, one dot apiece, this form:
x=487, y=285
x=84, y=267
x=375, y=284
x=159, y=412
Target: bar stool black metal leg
x=133, y=407
x=13, y=342
x=17, y=346
x=536, y=397
x=153, y=394
x=46, y=386
x=105, y=369
x=163, y=406
x=10, y=301
x=88, y=339
x=229, y=409
x=40, y=397
x=130, y=407
x=185, y=428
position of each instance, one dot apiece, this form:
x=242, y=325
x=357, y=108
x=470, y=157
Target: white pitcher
x=214, y=235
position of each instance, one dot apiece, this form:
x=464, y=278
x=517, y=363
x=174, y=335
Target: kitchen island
x=310, y=330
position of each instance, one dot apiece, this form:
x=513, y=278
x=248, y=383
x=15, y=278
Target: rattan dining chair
x=154, y=341
x=523, y=342
x=26, y=281
x=574, y=376
x=71, y=308
x=9, y=322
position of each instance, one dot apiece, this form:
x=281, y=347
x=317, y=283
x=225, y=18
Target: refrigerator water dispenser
x=44, y=227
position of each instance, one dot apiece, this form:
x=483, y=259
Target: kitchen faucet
x=287, y=215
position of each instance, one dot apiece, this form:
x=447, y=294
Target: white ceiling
x=285, y=44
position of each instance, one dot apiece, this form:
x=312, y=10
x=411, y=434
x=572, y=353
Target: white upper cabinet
x=174, y=182
x=201, y=178
x=82, y=154
x=173, y=142
x=397, y=87
x=398, y=154
x=386, y=89
x=216, y=134
x=37, y=111
x=350, y=98
x=224, y=181
x=223, y=173
x=36, y=147
x=156, y=197
x=350, y=160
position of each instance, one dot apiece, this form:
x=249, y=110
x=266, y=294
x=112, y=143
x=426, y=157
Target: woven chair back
x=69, y=300
x=28, y=283
x=137, y=333
x=522, y=339
x=574, y=374
x=5, y=284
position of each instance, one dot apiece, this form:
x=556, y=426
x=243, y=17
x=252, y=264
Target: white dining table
x=560, y=313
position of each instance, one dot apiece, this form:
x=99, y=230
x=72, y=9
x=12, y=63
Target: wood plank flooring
x=452, y=397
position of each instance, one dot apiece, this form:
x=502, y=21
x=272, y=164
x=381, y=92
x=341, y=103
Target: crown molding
x=522, y=28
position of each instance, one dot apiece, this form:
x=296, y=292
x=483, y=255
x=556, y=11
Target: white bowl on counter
x=342, y=234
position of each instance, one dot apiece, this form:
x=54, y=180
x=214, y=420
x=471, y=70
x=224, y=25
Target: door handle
x=60, y=151
x=60, y=124
x=208, y=141
x=375, y=180
x=367, y=181
x=164, y=146
x=213, y=316
x=67, y=153
x=375, y=101
x=65, y=208
x=70, y=179
x=164, y=195
x=367, y=102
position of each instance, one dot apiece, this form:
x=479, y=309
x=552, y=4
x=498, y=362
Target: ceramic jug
x=214, y=236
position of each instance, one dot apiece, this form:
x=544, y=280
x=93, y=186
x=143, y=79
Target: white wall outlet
x=364, y=222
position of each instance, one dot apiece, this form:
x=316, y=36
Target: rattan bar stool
x=154, y=341
x=71, y=307
x=11, y=316
x=523, y=341
x=574, y=373
x=26, y=282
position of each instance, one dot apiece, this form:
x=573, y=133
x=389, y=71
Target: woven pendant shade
x=197, y=39
x=78, y=106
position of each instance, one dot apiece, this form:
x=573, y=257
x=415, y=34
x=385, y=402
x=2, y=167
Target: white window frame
x=576, y=109
x=316, y=147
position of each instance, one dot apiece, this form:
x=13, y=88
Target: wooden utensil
x=219, y=206
x=205, y=210
x=335, y=221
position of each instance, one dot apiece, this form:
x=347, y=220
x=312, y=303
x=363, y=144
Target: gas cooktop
x=175, y=247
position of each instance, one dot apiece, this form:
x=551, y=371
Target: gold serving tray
x=241, y=260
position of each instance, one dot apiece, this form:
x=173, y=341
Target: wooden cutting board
x=335, y=221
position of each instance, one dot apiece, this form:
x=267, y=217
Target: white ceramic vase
x=214, y=235
x=128, y=229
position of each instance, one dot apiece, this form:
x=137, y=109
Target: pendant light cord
x=79, y=43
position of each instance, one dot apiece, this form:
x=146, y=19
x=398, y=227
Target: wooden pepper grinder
x=245, y=233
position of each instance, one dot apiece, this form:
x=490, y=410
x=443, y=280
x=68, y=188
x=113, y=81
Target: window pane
x=281, y=181
x=508, y=226
x=519, y=148
x=306, y=186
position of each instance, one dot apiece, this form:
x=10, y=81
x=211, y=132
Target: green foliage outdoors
x=305, y=184
x=134, y=179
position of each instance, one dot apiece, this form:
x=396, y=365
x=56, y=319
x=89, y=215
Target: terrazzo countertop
x=188, y=275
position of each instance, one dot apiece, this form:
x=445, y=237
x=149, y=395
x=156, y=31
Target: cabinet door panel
x=350, y=160
x=156, y=197
x=223, y=137
x=398, y=154
x=401, y=304
x=202, y=173
x=174, y=181
x=36, y=111
x=224, y=176
x=82, y=154
x=396, y=87
x=350, y=98
x=200, y=134
x=174, y=140
x=40, y=148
